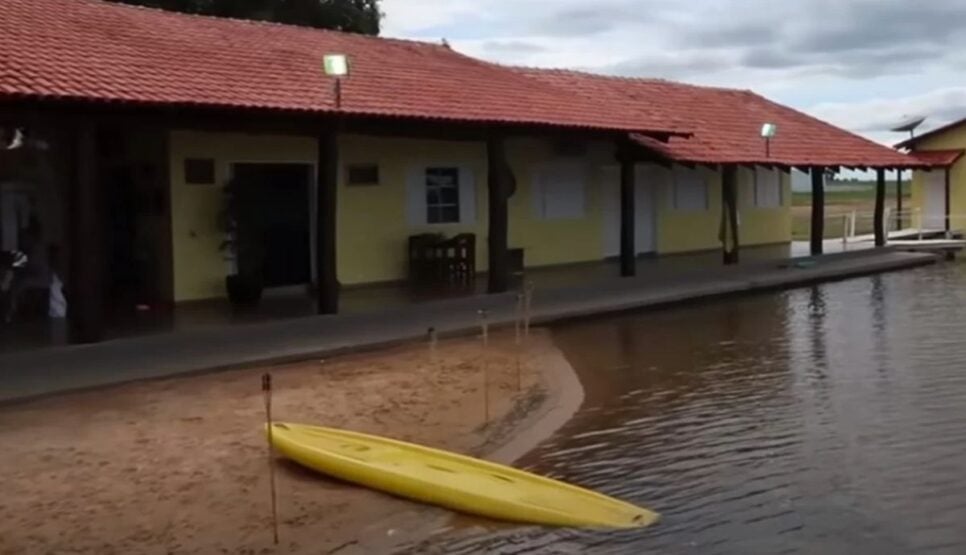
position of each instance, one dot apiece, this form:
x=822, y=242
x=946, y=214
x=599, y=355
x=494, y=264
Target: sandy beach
x=180, y=465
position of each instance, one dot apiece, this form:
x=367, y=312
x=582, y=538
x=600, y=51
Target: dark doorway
x=283, y=192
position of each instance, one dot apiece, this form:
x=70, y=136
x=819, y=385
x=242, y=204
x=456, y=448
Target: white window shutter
x=768, y=189
x=560, y=191
x=690, y=188
x=467, y=197
x=416, y=196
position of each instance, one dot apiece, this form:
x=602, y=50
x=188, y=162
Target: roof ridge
x=114, y=5
x=532, y=80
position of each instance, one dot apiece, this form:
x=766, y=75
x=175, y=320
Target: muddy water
x=825, y=420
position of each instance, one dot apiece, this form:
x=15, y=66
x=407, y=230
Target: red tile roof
x=93, y=50
x=913, y=141
x=938, y=158
x=727, y=124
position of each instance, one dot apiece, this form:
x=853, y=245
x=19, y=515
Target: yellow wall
x=372, y=253
x=953, y=139
x=199, y=266
x=373, y=225
x=548, y=242
x=373, y=228
x=692, y=231
x=763, y=226
x=683, y=231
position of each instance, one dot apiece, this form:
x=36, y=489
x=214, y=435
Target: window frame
x=696, y=178
x=759, y=193
x=437, y=210
x=353, y=173
x=546, y=187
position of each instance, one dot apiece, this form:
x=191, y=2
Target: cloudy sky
x=861, y=64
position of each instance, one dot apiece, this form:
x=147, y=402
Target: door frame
x=313, y=191
x=935, y=182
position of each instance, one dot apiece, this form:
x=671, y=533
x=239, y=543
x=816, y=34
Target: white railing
x=859, y=226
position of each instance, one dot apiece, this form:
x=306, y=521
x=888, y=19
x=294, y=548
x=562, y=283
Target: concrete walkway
x=34, y=373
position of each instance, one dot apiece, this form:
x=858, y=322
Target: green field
x=837, y=204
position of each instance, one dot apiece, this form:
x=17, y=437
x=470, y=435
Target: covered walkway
x=27, y=374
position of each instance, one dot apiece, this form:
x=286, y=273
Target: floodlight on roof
x=336, y=65
x=768, y=131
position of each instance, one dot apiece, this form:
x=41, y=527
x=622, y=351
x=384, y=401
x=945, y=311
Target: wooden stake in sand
x=517, y=325
x=433, y=339
x=267, y=391
x=527, y=303
x=485, y=335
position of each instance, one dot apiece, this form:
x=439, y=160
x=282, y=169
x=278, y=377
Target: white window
x=768, y=188
x=689, y=190
x=559, y=191
x=440, y=195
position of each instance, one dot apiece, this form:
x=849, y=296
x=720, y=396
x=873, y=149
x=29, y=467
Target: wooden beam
x=879, y=218
x=284, y=122
x=628, y=217
x=166, y=247
x=85, y=308
x=326, y=222
x=947, y=192
x=498, y=186
x=898, y=198
x=818, y=210
x=729, y=214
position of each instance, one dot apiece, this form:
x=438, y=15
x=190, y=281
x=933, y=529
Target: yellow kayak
x=453, y=481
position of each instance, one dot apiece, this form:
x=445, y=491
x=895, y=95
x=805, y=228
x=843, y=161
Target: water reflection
x=821, y=420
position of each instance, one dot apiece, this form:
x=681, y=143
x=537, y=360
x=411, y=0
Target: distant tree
x=354, y=16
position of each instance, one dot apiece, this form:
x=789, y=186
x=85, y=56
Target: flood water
x=823, y=420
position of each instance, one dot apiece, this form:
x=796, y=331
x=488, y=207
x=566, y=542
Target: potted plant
x=242, y=224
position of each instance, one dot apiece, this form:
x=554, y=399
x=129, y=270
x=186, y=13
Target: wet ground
x=824, y=420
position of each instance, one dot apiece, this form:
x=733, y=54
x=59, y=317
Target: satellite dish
x=909, y=123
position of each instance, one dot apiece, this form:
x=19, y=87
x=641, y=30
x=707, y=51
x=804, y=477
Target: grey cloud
x=601, y=16
x=859, y=63
x=876, y=116
x=859, y=25
x=769, y=58
x=579, y=22
x=854, y=38
x=681, y=65
x=699, y=38
x=745, y=34
x=504, y=48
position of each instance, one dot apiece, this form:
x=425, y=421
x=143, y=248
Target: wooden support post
x=499, y=186
x=948, y=226
x=85, y=308
x=879, y=221
x=818, y=210
x=899, y=200
x=628, y=216
x=729, y=228
x=326, y=223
